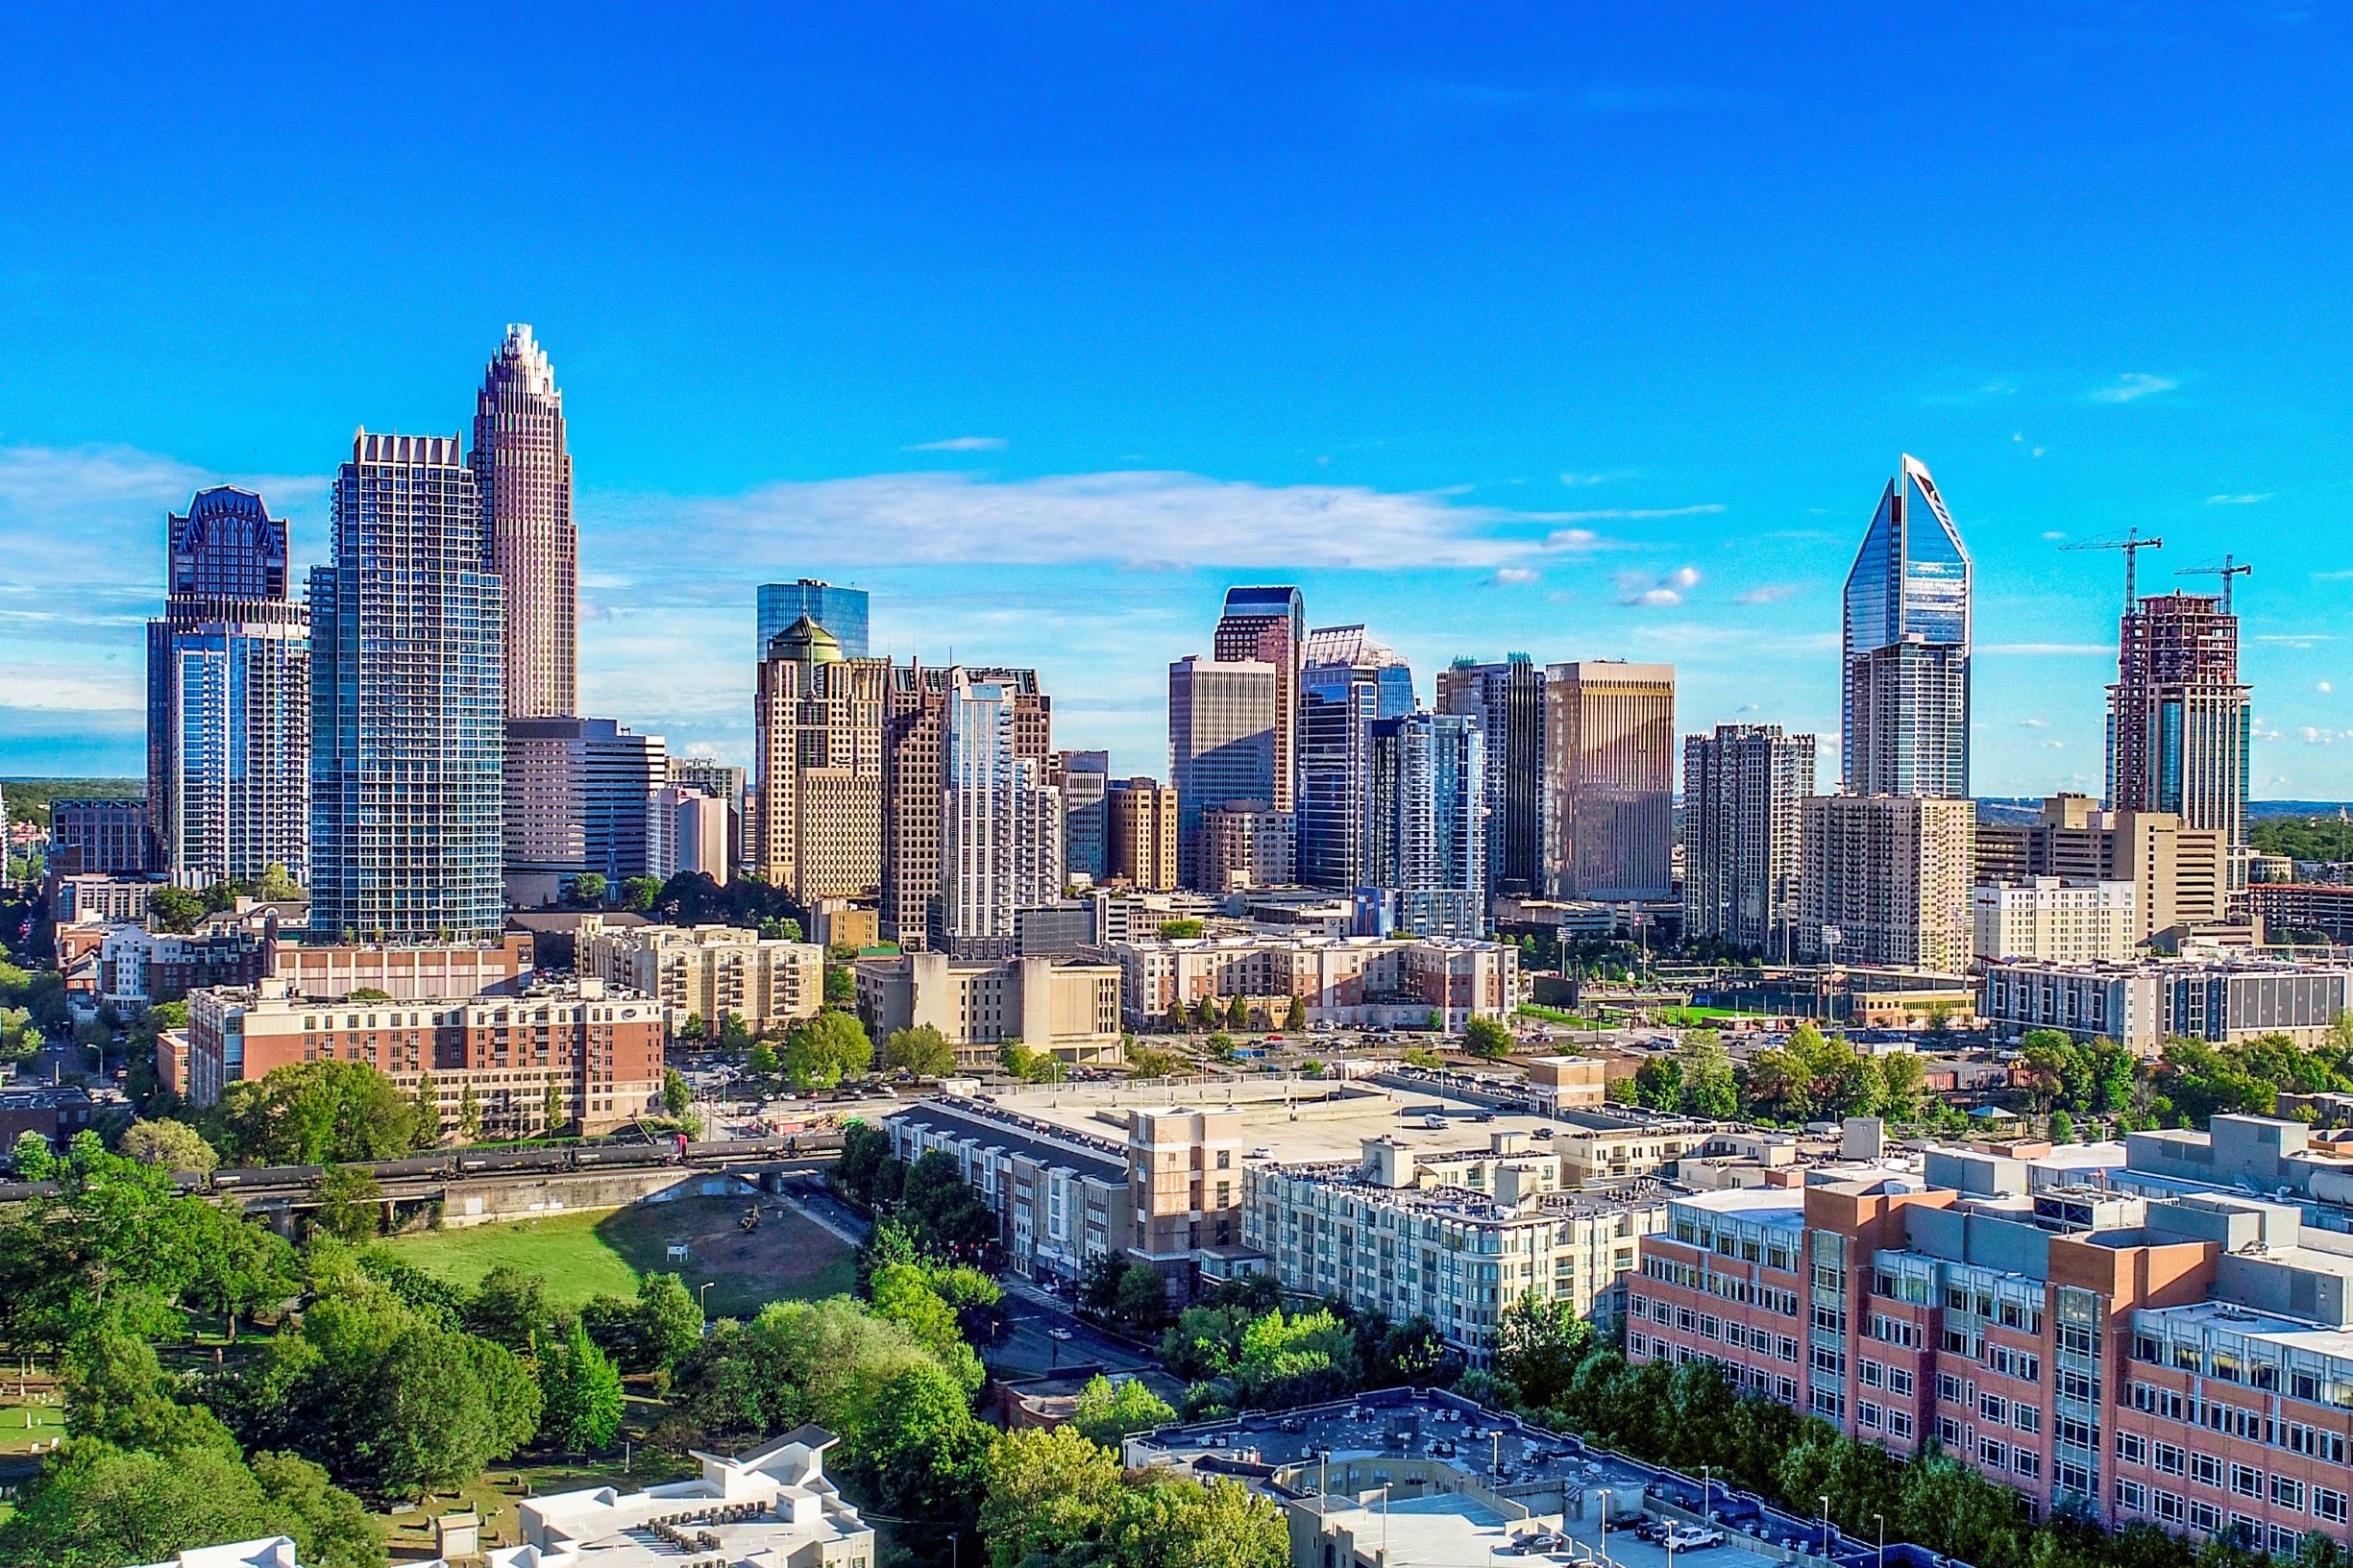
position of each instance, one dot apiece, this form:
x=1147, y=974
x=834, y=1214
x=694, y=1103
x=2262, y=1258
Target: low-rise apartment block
x=1068, y=1009
x=406, y=972
x=599, y=1047
x=2153, y=1349
x=2055, y=919
x=1060, y=1194
x=2140, y=1005
x=1348, y=981
x=708, y=971
x=1454, y=1235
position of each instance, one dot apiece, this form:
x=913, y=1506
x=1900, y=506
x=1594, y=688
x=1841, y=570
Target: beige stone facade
x=1071, y=1009
x=1886, y=879
x=708, y=971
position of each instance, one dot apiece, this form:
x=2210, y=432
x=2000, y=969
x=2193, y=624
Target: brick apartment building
x=600, y=1046
x=2147, y=1347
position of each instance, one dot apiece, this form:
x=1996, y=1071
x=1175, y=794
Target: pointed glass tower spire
x=1906, y=647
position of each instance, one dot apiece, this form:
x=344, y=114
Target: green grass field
x=604, y=1252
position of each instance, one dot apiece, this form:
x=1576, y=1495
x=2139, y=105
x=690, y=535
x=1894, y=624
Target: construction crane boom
x=2229, y=569
x=2132, y=544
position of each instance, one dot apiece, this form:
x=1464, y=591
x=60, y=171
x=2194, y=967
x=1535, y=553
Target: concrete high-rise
x=818, y=768
x=1085, y=781
x=1349, y=681
x=2180, y=874
x=229, y=699
x=1000, y=823
x=1247, y=844
x=525, y=471
x=1744, y=792
x=841, y=611
x=1428, y=824
x=1223, y=719
x=2179, y=720
x=580, y=797
x=1887, y=879
x=1904, y=671
x=407, y=700
x=1268, y=625
x=1142, y=833
x=1507, y=699
x=914, y=779
x=1609, y=780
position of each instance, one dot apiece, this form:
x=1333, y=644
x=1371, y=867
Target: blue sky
x=1551, y=329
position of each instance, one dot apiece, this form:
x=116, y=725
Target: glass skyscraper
x=841, y=611
x=1904, y=686
x=408, y=700
x=1508, y=700
x=1429, y=822
x=1350, y=681
x=1268, y=625
x=229, y=699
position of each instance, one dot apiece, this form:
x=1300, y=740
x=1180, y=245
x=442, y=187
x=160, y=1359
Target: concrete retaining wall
x=535, y=1197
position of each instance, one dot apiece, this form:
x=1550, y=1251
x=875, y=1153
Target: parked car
x=1690, y=1538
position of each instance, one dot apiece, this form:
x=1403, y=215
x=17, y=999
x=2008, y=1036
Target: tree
x=1903, y=1087
x=589, y=887
x=1148, y=1062
x=670, y=1324
x=351, y=1202
x=1539, y=1346
x=553, y=1114
x=30, y=1158
x=315, y=1114
x=1705, y=1086
x=763, y=1061
x=1238, y=1016
x=922, y=1051
x=94, y=1506
x=783, y=929
x=1106, y=1411
x=468, y=1114
x=823, y=1051
x=510, y=1307
x=1488, y=1038
x=1176, y=1023
x=1207, y=1014
x=2061, y=1127
x=174, y=910
x=1180, y=930
x=734, y=1034
x=692, y=1027
x=174, y=1145
x=678, y=1094
x=240, y=1265
x=1048, y=1493
x=1142, y=1300
x=580, y=1393
x=638, y=893
x=903, y=1294
x=427, y=1099
x=1295, y=1017
x=841, y=986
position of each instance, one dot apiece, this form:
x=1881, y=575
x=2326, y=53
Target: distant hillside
x=29, y=799
x=2022, y=809
x=2318, y=836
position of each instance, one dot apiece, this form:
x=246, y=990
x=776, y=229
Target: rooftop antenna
x=2132, y=544
x=2228, y=570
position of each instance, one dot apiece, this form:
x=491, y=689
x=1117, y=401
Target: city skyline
x=1661, y=448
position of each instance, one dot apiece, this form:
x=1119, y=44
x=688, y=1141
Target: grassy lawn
x=23, y=1424
x=410, y=1531
x=602, y=1253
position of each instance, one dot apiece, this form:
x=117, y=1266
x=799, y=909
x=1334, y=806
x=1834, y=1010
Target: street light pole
x=1881, y=1520
x=1707, y=1476
x=1826, y=1527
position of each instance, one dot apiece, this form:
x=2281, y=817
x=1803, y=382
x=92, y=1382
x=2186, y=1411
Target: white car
x=1058, y=1334
x=1691, y=1538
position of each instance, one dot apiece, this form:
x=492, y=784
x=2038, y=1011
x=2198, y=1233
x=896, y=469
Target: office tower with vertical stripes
x=229, y=699
x=1350, y=680
x=408, y=700
x=525, y=470
x=1223, y=718
x=1428, y=825
x=1609, y=773
x=841, y=611
x=1268, y=625
x=1508, y=700
x=1905, y=670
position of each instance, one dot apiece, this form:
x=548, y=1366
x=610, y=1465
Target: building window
x=2131, y=1448
x=2169, y=1460
x=2246, y=1481
x=2328, y=1506
x=2288, y=1493
x=2131, y=1496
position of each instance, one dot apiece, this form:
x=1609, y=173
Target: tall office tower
x=913, y=766
x=817, y=773
x=229, y=699
x=1609, y=780
x=1085, y=780
x=407, y=637
x=624, y=772
x=1887, y=879
x=521, y=462
x=1224, y=716
x=1428, y=827
x=1268, y=625
x=1904, y=688
x=1347, y=683
x=1744, y=792
x=1000, y=823
x=842, y=611
x=1145, y=833
x=2178, y=719
x=1509, y=700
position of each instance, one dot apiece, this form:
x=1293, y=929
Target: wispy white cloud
x=2134, y=384
x=2238, y=500
x=1638, y=591
x=2034, y=724
x=2333, y=576
x=1510, y=574
x=1771, y=592
x=960, y=443
x=1578, y=481
x=2295, y=639
x=1639, y=514
x=2053, y=536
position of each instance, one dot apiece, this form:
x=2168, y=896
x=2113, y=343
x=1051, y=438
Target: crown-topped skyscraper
x=1904, y=684
x=525, y=471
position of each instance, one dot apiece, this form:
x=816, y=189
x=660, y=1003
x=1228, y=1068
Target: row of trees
x=1809, y=1077
x=1243, y=1013
x=928, y=1200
